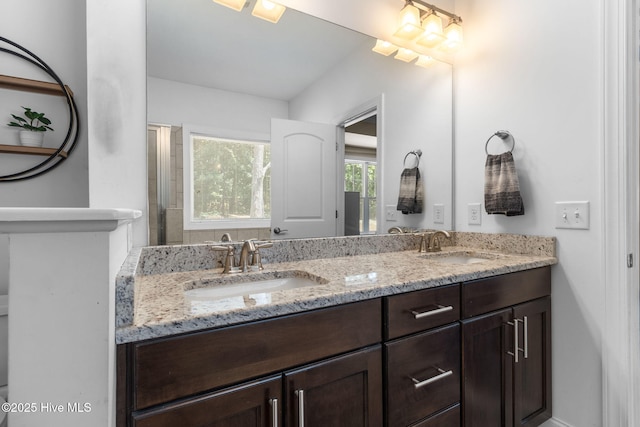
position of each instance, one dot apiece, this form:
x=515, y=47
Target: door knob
x=277, y=230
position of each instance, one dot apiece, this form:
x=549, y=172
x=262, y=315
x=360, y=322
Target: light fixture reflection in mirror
x=268, y=10
x=237, y=5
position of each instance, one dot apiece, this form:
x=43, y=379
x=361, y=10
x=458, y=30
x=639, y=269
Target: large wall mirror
x=216, y=76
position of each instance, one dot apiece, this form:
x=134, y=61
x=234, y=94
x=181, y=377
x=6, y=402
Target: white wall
x=417, y=114
x=175, y=103
x=535, y=69
x=116, y=87
x=60, y=35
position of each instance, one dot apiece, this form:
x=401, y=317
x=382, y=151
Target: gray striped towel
x=501, y=186
x=411, y=192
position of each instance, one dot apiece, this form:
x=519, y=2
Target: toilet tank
x=4, y=338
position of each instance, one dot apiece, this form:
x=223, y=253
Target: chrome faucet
x=434, y=243
x=396, y=230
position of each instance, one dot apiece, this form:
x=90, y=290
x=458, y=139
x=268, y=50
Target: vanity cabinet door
x=487, y=392
x=343, y=391
x=256, y=404
x=532, y=373
x=498, y=388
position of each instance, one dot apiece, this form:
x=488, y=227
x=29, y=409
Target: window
x=229, y=182
x=360, y=176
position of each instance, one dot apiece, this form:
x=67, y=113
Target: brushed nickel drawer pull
x=516, y=345
x=274, y=412
x=443, y=374
x=440, y=309
x=300, y=394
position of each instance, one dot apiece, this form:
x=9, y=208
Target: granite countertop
x=160, y=307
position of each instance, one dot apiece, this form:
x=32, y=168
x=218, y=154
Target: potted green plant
x=33, y=126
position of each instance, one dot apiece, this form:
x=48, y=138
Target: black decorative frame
x=73, y=132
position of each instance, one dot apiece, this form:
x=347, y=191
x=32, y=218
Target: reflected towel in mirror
x=501, y=186
x=411, y=192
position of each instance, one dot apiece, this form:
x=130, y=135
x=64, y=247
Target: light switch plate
x=391, y=213
x=574, y=215
x=474, y=213
x=438, y=213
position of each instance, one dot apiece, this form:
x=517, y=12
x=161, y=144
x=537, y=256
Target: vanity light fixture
x=384, y=47
x=422, y=22
x=432, y=34
x=268, y=10
x=453, y=36
x=409, y=27
x=406, y=55
x=233, y=4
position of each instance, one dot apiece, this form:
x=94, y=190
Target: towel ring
x=503, y=135
x=417, y=153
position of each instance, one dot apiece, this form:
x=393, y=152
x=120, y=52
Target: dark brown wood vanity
x=471, y=354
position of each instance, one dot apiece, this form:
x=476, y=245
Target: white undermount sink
x=247, y=285
x=460, y=259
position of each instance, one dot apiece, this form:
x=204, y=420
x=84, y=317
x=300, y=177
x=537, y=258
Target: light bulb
x=268, y=5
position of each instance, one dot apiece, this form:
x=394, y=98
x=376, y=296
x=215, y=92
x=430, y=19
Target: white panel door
x=303, y=179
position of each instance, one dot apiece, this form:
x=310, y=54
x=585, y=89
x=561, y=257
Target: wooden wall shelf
x=36, y=86
x=34, y=151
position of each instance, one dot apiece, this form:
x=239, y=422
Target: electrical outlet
x=391, y=213
x=474, y=214
x=573, y=215
x=438, y=213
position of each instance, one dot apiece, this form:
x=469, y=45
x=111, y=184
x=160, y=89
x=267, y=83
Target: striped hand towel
x=501, y=186
x=411, y=192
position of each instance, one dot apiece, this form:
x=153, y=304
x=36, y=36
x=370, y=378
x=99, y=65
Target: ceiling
x=202, y=43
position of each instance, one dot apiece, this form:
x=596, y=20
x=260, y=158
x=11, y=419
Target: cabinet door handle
x=526, y=337
x=440, y=309
x=443, y=374
x=300, y=394
x=516, y=346
x=274, y=412
x=514, y=353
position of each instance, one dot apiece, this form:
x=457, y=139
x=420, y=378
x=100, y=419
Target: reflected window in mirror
x=229, y=181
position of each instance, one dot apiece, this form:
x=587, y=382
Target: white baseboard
x=554, y=422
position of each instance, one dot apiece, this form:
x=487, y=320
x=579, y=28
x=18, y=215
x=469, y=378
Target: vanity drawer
x=486, y=295
x=421, y=310
x=449, y=417
x=423, y=374
x=168, y=369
